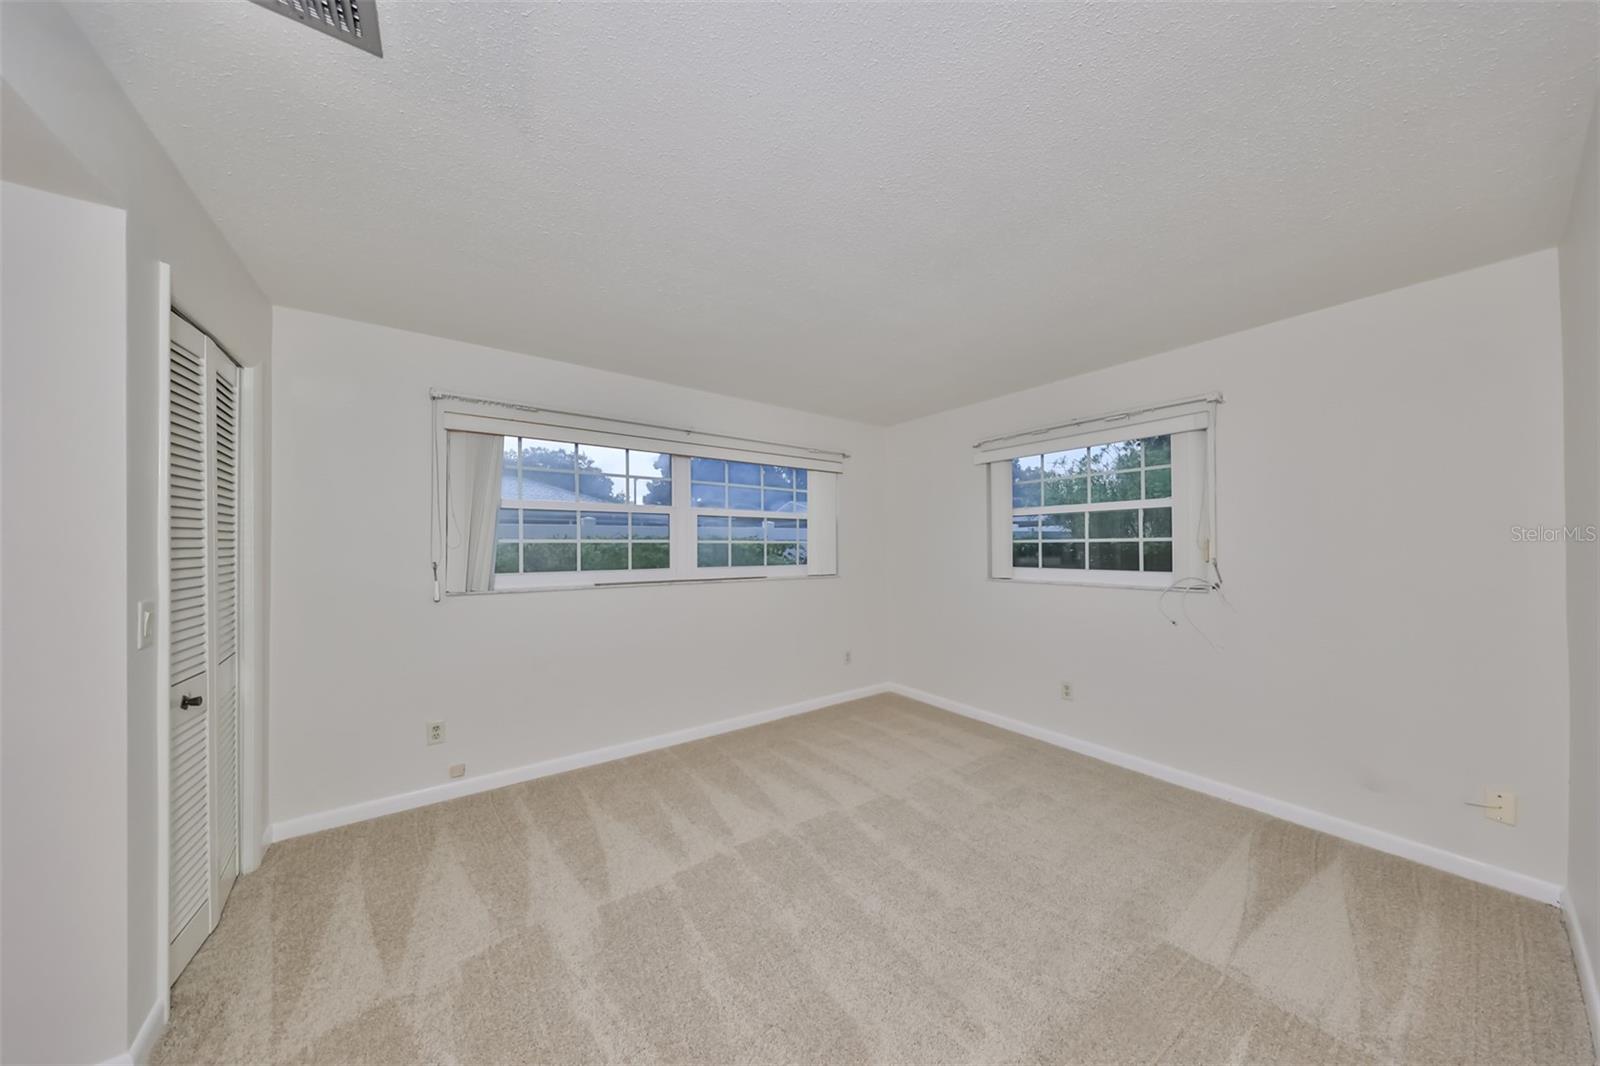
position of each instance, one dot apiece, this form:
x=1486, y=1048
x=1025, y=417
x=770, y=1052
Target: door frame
x=252, y=643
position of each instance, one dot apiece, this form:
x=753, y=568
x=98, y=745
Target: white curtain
x=473, y=502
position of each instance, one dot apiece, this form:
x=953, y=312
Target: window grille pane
x=548, y=455
x=549, y=525
x=1067, y=464
x=1106, y=487
x=599, y=555
x=708, y=470
x=548, y=486
x=600, y=488
x=651, y=527
x=602, y=460
x=1114, y=555
x=1026, y=494
x=603, y=525
x=650, y=464
x=703, y=495
x=1062, y=526
x=1123, y=455
x=505, y=527
x=1058, y=491
x=549, y=558
x=508, y=469
x=742, y=499
x=1061, y=554
x=1158, y=483
x=651, y=556
x=1106, y=524
x=651, y=493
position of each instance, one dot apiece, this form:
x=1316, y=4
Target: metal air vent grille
x=354, y=21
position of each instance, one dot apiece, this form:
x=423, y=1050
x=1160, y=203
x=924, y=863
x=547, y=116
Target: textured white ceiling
x=875, y=211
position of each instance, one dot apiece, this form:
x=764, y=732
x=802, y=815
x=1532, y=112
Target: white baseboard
x=1586, y=975
x=422, y=797
x=144, y=1042
x=1427, y=854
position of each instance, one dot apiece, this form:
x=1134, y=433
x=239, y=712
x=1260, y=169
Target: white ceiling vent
x=354, y=21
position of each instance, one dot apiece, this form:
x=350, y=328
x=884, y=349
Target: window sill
x=665, y=582
x=1132, y=581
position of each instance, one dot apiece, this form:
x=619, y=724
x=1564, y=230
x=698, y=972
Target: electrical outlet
x=1066, y=690
x=435, y=732
x=1500, y=806
x=847, y=658
x=458, y=769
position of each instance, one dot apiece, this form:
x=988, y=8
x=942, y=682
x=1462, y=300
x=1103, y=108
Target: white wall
x=363, y=657
x=1389, y=650
x=63, y=680
x=50, y=68
x=1580, y=332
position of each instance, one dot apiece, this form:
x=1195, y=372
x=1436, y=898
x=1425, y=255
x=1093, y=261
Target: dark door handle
x=190, y=701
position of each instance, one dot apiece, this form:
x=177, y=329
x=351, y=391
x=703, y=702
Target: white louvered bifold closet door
x=203, y=636
x=189, y=885
x=224, y=452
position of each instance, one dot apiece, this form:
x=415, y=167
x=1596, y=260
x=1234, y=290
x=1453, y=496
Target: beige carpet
x=875, y=881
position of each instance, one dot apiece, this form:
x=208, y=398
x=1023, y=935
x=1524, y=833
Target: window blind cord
x=1185, y=584
x=1197, y=584
x=1203, y=531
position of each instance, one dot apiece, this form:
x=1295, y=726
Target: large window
x=529, y=499
x=1108, y=508
x=1121, y=499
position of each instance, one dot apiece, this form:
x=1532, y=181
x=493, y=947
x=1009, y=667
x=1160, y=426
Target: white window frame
x=1191, y=425
x=473, y=415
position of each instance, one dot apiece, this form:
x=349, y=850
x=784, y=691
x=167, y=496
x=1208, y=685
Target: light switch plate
x=144, y=624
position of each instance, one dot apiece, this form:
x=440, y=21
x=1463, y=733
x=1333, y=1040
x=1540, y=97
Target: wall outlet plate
x=1066, y=690
x=1500, y=805
x=435, y=732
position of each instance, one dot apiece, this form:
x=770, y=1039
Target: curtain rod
x=437, y=395
x=1114, y=416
